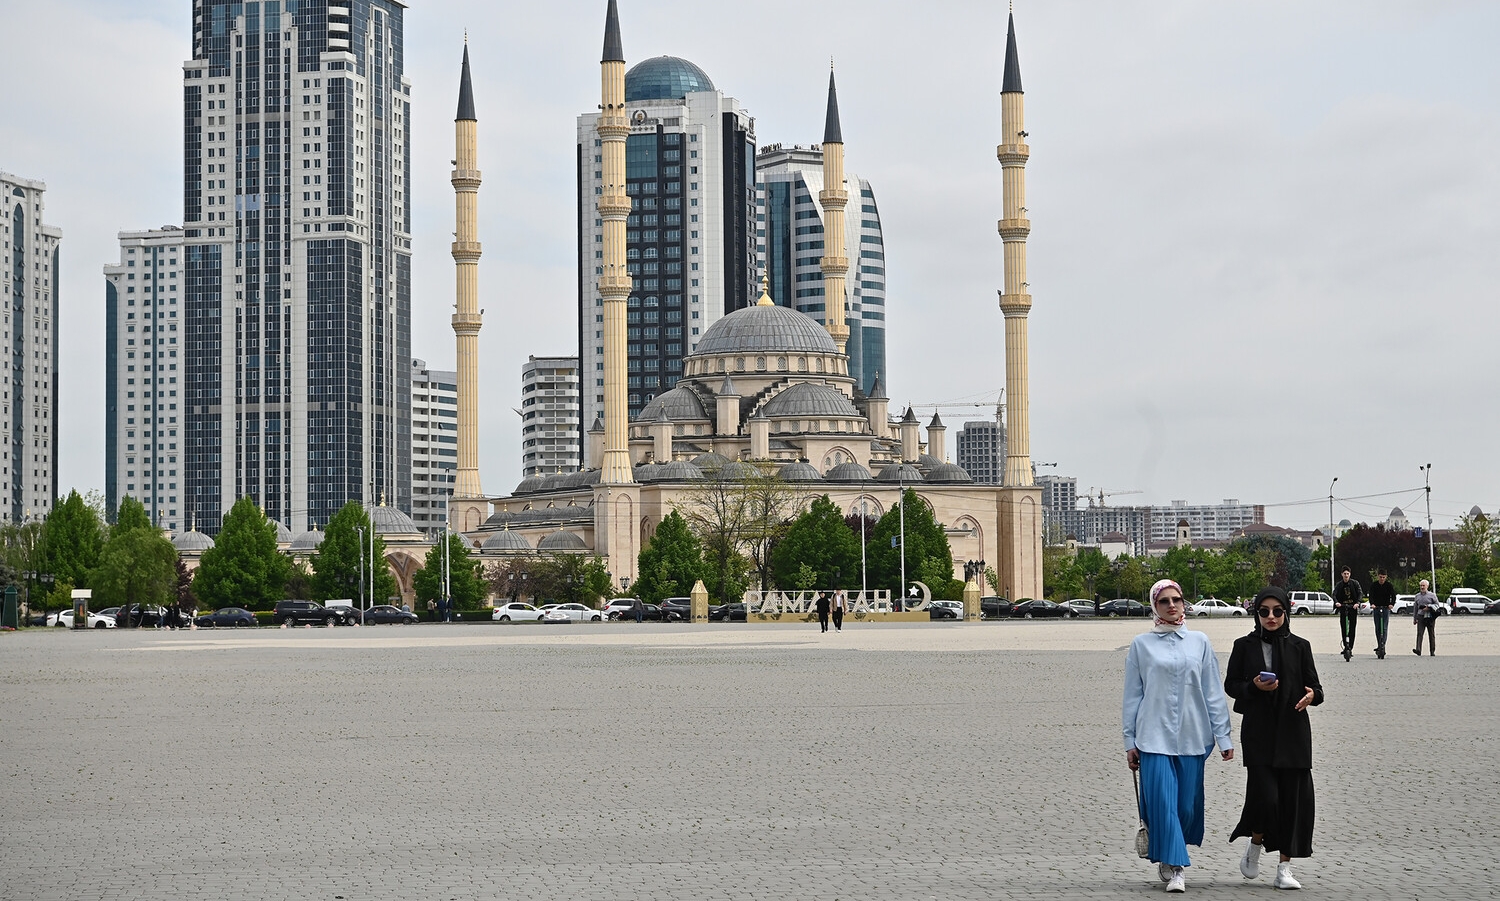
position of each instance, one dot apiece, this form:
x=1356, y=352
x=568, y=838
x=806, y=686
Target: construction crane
x=1102, y=493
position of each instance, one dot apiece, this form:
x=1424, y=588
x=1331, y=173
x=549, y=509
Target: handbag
x=1142, y=837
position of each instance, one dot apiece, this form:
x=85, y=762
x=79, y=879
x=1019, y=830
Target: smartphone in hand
x=1267, y=677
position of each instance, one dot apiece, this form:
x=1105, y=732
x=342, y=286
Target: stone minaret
x=1015, y=302
x=466, y=316
x=834, y=198
x=614, y=284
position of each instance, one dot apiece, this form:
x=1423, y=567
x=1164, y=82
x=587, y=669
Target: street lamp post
x=1243, y=566
x=1406, y=563
x=1195, y=564
x=1431, y=553
x=1333, y=537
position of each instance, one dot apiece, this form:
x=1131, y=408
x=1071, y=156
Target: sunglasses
x=1268, y=612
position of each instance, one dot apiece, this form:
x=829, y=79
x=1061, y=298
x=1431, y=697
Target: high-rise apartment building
x=789, y=249
x=296, y=299
x=1217, y=522
x=981, y=450
x=690, y=250
x=434, y=443
x=550, y=409
x=1060, y=514
x=28, y=410
x=144, y=381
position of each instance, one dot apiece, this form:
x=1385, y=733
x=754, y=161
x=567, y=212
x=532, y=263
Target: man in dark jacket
x=1346, y=598
x=823, y=607
x=1382, y=599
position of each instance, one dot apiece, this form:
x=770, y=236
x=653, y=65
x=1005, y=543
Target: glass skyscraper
x=296, y=269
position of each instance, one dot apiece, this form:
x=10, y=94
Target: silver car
x=1215, y=607
x=570, y=613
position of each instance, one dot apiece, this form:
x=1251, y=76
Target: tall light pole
x=1431, y=553
x=864, y=513
x=1333, y=535
x=901, y=487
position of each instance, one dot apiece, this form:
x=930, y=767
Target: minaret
x=834, y=198
x=466, y=252
x=1015, y=302
x=614, y=284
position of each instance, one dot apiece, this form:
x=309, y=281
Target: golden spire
x=765, y=293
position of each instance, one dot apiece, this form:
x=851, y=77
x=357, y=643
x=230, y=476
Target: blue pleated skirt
x=1172, y=805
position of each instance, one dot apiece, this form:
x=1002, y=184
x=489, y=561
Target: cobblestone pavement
x=617, y=761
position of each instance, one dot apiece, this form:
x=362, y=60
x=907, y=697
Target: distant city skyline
x=1215, y=261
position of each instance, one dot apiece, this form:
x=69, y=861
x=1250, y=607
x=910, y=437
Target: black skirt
x=1279, y=804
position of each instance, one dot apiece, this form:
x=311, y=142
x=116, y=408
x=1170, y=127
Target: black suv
x=677, y=610
x=298, y=612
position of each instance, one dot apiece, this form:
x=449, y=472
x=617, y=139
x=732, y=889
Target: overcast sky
x=1264, y=236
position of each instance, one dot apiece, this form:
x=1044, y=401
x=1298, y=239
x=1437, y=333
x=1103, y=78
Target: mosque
x=767, y=391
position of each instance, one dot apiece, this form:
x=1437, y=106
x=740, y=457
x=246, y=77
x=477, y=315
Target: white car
x=570, y=613
x=1305, y=602
x=618, y=608
x=1467, y=600
x=516, y=611
x=96, y=620
x=1215, y=607
x=1080, y=606
x=956, y=606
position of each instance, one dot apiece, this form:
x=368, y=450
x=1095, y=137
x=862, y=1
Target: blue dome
x=664, y=78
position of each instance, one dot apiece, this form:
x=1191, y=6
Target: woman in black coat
x=1275, y=737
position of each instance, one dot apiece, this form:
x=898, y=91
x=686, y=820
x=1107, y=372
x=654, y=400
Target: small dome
x=561, y=541
x=848, y=472
x=391, y=521
x=529, y=484
x=1475, y=512
x=505, y=540
x=307, y=541
x=283, y=534
x=737, y=469
x=928, y=461
x=949, y=472
x=1396, y=513
x=192, y=540
x=672, y=471
x=664, y=78
x=710, y=462
x=800, y=472
x=680, y=404
x=900, y=472
x=765, y=329
x=809, y=400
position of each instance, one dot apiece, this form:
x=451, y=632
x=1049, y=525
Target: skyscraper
x=690, y=176
x=790, y=244
x=549, y=416
x=981, y=450
x=296, y=300
x=28, y=410
x=434, y=444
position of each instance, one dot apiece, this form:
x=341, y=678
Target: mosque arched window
x=781, y=364
x=802, y=364
x=760, y=364
x=819, y=363
x=739, y=364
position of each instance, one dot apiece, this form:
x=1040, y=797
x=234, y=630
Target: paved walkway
x=616, y=761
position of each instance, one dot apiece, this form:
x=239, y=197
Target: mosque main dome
x=664, y=78
x=765, y=328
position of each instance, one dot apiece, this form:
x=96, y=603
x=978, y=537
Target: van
x=1467, y=600
x=1304, y=602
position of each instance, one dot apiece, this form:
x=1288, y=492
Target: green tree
x=671, y=563
x=71, y=541
x=726, y=517
x=244, y=567
x=137, y=566
x=344, y=555
x=569, y=578
x=466, y=587
x=1275, y=560
x=820, y=539
x=925, y=540
x=131, y=514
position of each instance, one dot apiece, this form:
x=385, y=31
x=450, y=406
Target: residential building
x=434, y=443
x=1097, y=521
x=550, y=410
x=143, y=381
x=789, y=251
x=28, y=461
x=1215, y=522
x=690, y=176
x=1060, y=514
x=981, y=451
x=296, y=269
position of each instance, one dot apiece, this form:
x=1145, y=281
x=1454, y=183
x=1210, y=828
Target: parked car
x=994, y=607
x=1215, y=607
x=388, y=613
x=1041, y=609
x=1080, y=606
x=226, y=616
x=728, y=613
x=1123, y=607
x=517, y=611
x=96, y=620
x=677, y=610
x=615, y=605
x=653, y=613
x=945, y=610
x=1305, y=602
x=1467, y=600
x=570, y=613
x=296, y=613
x=1406, y=604
x=148, y=617
x=1493, y=607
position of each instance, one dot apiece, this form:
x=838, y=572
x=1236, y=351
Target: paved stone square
x=616, y=761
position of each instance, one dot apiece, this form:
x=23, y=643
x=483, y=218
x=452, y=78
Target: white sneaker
x=1164, y=871
x=1250, y=863
x=1284, y=877
x=1178, y=884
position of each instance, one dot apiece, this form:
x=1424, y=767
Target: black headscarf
x=1275, y=636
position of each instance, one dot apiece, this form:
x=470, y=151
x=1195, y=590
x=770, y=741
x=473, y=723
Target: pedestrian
x=824, y=605
x=840, y=603
x=1174, y=712
x=432, y=609
x=1382, y=598
x=1424, y=613
x=442, y=606
x=1346, y=598
x=638, y=607
x=1273, y=681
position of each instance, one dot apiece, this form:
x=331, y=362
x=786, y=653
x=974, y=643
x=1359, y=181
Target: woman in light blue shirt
x=1173, y=714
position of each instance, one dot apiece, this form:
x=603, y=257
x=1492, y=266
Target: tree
x=186, y=599
x=511, y=577
x=769, y=502
x=731, y=516
x=137, y=566
x=671, y=563
x=244, y=568
x=466, y=586
x=70, y=542
x=821, y=540
x=1366, y=549
x=1275, y=560
x=1475, y=553
x=131, y=514
x=570, y=578
x=925, y=540
x=344, y=555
